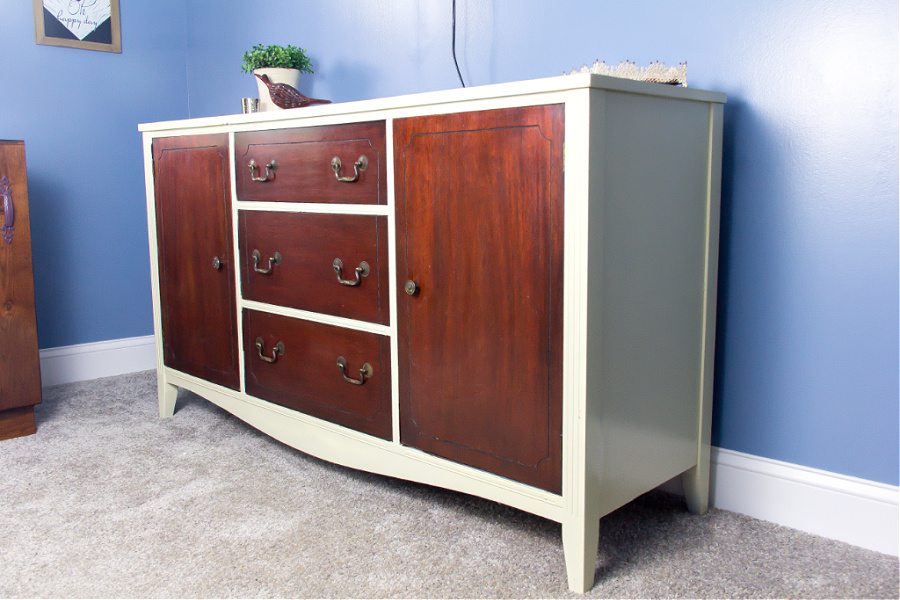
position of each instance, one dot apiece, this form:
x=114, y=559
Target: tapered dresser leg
x=696, y=488
x=168, y=393
x=580, y=538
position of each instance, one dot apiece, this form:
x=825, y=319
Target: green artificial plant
x=285, y=57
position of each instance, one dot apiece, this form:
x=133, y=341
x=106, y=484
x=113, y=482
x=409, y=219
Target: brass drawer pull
x=364, y=373
x=361, y=164
x=361, y=271
x=277, y=351
x=270, y=170
x=274, y=260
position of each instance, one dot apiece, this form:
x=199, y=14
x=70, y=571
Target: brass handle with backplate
x=277, y=351
x=364, y=373
x=361, y=271
x=270, y=170
x=274, y=260
x=361, y=164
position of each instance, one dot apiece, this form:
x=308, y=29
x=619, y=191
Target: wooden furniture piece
x=508, y=291
x=20, y=371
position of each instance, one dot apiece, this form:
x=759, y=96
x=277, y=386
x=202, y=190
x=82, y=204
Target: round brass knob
x=411, y=287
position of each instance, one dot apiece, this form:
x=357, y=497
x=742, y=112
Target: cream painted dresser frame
x=632, y=417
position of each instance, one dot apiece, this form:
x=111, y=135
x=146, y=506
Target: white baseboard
x=67, y=364
x=856, y=511
x=859, y=512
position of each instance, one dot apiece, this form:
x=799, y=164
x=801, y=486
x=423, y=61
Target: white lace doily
x=656, y=72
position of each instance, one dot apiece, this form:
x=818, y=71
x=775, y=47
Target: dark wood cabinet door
x=20, y=375
x=196, y=270
x=479, y=231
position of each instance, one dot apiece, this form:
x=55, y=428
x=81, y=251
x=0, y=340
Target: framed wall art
x=86, y=24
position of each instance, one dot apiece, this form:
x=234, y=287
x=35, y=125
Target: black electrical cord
x=454, y=46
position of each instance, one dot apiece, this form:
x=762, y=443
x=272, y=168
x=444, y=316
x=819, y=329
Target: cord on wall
x=453, y=45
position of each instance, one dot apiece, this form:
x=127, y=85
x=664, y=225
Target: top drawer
x=334, y=164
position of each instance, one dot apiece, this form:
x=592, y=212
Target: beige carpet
x=107, y=500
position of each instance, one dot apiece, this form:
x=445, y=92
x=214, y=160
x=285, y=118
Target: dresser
x=508, y=291
x=20, y=374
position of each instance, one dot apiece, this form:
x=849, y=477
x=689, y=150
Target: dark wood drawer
x=303, y=274
x=303, y=164
x=305, y=376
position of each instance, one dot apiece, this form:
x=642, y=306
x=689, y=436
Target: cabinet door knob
x=361, y=164
x=277, y=351
x=361, y=271
x=270, y=170
x=274, y=260
x=218, y=263
x=411, y=287
x=364, y=373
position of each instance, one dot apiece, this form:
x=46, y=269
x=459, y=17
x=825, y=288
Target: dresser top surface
x=518, y=89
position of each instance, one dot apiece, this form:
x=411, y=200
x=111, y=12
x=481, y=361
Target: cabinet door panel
x=479, y=213
x=196, y=271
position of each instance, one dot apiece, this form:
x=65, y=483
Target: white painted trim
x=856, y=511
x=67, y=364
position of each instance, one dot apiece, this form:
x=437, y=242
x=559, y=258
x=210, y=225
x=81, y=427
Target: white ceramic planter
x=276, y=75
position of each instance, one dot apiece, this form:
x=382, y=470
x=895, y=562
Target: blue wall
x=78, y=112
x=807, y=365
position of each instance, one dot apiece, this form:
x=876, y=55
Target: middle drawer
x=331, y=264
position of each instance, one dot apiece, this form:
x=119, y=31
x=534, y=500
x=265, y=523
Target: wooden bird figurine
x=285, y=96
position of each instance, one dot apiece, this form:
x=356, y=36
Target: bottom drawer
x=294, y=363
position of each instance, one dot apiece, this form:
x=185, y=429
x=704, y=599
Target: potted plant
x=282, y=64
